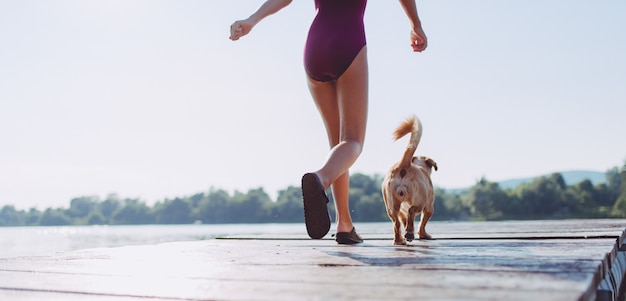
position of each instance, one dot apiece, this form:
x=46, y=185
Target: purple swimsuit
x=335, y=38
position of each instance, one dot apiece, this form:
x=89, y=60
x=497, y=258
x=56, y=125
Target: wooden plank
x=253, y=269
x=602, y=228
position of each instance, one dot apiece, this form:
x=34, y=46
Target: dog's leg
x=396, y=217
x=409, y=231
x=393, y=211
x=397, y=233
x=426, y=214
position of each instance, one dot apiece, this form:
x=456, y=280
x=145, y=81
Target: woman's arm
x=243, y=27
x=419, y=42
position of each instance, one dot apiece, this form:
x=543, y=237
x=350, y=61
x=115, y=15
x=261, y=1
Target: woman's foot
x=348, y=238
x=316, y=216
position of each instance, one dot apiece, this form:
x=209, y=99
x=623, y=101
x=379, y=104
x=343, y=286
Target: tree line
x=545, y=197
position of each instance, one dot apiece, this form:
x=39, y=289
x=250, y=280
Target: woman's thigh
x=352, y=96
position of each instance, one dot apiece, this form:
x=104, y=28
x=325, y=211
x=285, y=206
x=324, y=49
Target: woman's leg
x=343, y=106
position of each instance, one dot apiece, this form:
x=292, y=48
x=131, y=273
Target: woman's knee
x=353, y=131
x=356, y=145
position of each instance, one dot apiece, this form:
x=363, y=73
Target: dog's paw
x=425, y=236
x=399, y=243
x=410, y=236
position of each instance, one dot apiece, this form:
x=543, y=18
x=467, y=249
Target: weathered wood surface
x=549, y=260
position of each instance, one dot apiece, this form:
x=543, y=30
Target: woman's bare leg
x=343, y=106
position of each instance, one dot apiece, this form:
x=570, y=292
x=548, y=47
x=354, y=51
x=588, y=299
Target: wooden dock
x=531, y=260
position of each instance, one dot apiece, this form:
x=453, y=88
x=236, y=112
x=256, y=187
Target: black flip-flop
x=348, y=238
x=316, y=215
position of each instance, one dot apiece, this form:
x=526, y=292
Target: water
x=43, y=241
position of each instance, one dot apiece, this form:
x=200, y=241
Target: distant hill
x=571, y=177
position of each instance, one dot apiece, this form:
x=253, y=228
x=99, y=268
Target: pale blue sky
x=149, y=98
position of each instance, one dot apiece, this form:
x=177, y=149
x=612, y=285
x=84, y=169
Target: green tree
x=194, y=202
x=449, y=206
x=544, y=197
x=365, y=198
x=133, y=212
x=80, y=207
x=109, y=206
x=586, y=194
x=96, y=218
x=615, y=182
x=9, y=216
x=370, y=208
x=619, y=209
x=289, y=206
x=54, y=217
x=177, y=211
x=604, y=196
x=212, y=208
x=368, y=185
x=252, y=207
x=196, y=199
x=32, y=217
x=515, y=208
x=558, y=180
x=485, y=199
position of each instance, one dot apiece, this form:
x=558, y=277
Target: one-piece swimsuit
x=335, y=38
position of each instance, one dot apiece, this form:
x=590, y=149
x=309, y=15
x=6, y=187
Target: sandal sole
x=316, y=216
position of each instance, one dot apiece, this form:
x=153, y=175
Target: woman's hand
x=243, y=27
x=240, y=28
x=419, y=42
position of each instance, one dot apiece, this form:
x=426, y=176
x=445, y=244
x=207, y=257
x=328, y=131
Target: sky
x=149, y=99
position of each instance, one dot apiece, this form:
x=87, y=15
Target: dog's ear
x=431, y=163
x=427, y=161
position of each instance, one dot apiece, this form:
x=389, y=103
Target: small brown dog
x=407, y=188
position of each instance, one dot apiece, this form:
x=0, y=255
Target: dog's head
x=426, y=162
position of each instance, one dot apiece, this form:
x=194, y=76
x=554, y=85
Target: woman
x=335, y=60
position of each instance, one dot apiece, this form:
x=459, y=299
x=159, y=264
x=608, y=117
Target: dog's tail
x=414, y=126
